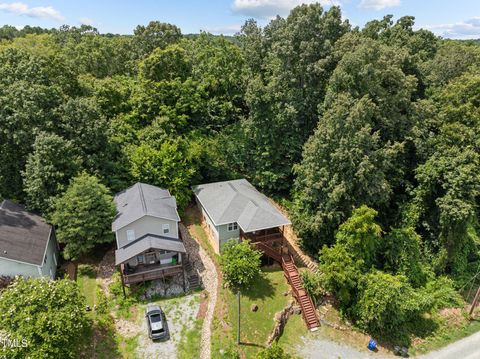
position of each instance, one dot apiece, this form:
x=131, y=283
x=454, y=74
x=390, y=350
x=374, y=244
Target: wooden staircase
x=292, y=275
x=193, y=278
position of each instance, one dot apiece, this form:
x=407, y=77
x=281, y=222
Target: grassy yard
x=86, y=280
x=101, y=339
x=268, y=294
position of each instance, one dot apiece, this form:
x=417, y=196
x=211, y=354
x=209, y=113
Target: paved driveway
x=466, y=348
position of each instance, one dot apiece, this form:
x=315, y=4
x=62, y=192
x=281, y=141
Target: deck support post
x=184, y=275
x=164, y=284
x=123, y=284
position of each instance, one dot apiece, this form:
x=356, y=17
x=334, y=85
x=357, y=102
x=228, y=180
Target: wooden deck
x=292, y=275
x=150, y=273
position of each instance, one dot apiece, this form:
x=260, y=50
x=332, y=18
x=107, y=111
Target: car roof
x=153, y=308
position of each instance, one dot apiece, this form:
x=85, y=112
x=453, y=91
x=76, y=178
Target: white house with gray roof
x=146, y=230
x=28, y=246
x=236, y=209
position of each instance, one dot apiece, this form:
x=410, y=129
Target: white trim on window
x=232, y=227
x=166, y=228
x=130, y=235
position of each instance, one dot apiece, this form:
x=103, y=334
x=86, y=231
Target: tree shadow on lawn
x=262, y=288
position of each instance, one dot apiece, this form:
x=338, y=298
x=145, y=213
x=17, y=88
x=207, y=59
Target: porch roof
x=146, y=243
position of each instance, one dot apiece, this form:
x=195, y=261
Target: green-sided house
x=236, y=210
x=28, y=246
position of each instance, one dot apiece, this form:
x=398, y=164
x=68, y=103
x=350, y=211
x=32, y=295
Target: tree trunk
x=238, y=323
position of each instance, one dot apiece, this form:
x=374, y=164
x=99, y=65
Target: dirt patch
x=454, y=317
x=105, y=269
x=126, y=328
x=202, y=312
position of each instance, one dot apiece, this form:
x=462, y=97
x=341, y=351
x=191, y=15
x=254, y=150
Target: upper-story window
x=130, y=234
x=232, y=226
x=166, y=228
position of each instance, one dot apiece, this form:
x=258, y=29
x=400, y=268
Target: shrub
x=386, y=302
x=48, y=315
x=273, y=352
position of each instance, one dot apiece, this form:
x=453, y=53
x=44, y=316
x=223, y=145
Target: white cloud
x=225, y=30
x=18, y=8
x=266, y=9
x=468, y=29
x=379, y=4
x=86, y=21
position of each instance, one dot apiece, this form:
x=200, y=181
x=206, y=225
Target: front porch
x=269, y=241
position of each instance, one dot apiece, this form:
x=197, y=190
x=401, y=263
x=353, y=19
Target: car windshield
x=155, y=318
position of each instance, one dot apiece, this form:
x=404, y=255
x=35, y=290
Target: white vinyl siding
x=147, y=225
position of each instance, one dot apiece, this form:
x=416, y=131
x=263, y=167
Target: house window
x=130, y=234
x=45, y=259
x=232, y=226
x=140, y=259
x=166, y=228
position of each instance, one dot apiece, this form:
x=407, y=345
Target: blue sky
x=453, y=19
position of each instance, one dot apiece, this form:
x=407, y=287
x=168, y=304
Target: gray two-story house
x=149, y=245
x=28, y=246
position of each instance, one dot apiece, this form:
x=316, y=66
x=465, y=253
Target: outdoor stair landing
x=292, y=275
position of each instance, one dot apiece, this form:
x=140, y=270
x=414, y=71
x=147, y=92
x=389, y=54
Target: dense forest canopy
x=328, y=117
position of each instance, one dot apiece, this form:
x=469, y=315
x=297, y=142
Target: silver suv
x=156, y=323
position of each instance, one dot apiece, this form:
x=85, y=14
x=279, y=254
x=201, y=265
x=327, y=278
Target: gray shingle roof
x=143, y=200
x=144, y=244
x=23, y=235
x=238, y=201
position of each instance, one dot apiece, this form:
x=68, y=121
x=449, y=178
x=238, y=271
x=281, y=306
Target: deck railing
x=150, y=274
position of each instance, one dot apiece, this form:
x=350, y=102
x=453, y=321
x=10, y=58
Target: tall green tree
x=155, y=35
x=53, y=162
x=446, y=198
x=359, y=153
x=240, y=267
x=83, y=216
x=166, y=166
x=283, y=98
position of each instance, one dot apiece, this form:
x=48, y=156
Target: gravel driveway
x=180, y=313
x=206, y=268
x=328, y=349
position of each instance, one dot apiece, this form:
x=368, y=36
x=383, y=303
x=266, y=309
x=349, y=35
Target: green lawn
x=86, y=280
x=189, y=345
x=101, y=340
x=268, y=293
